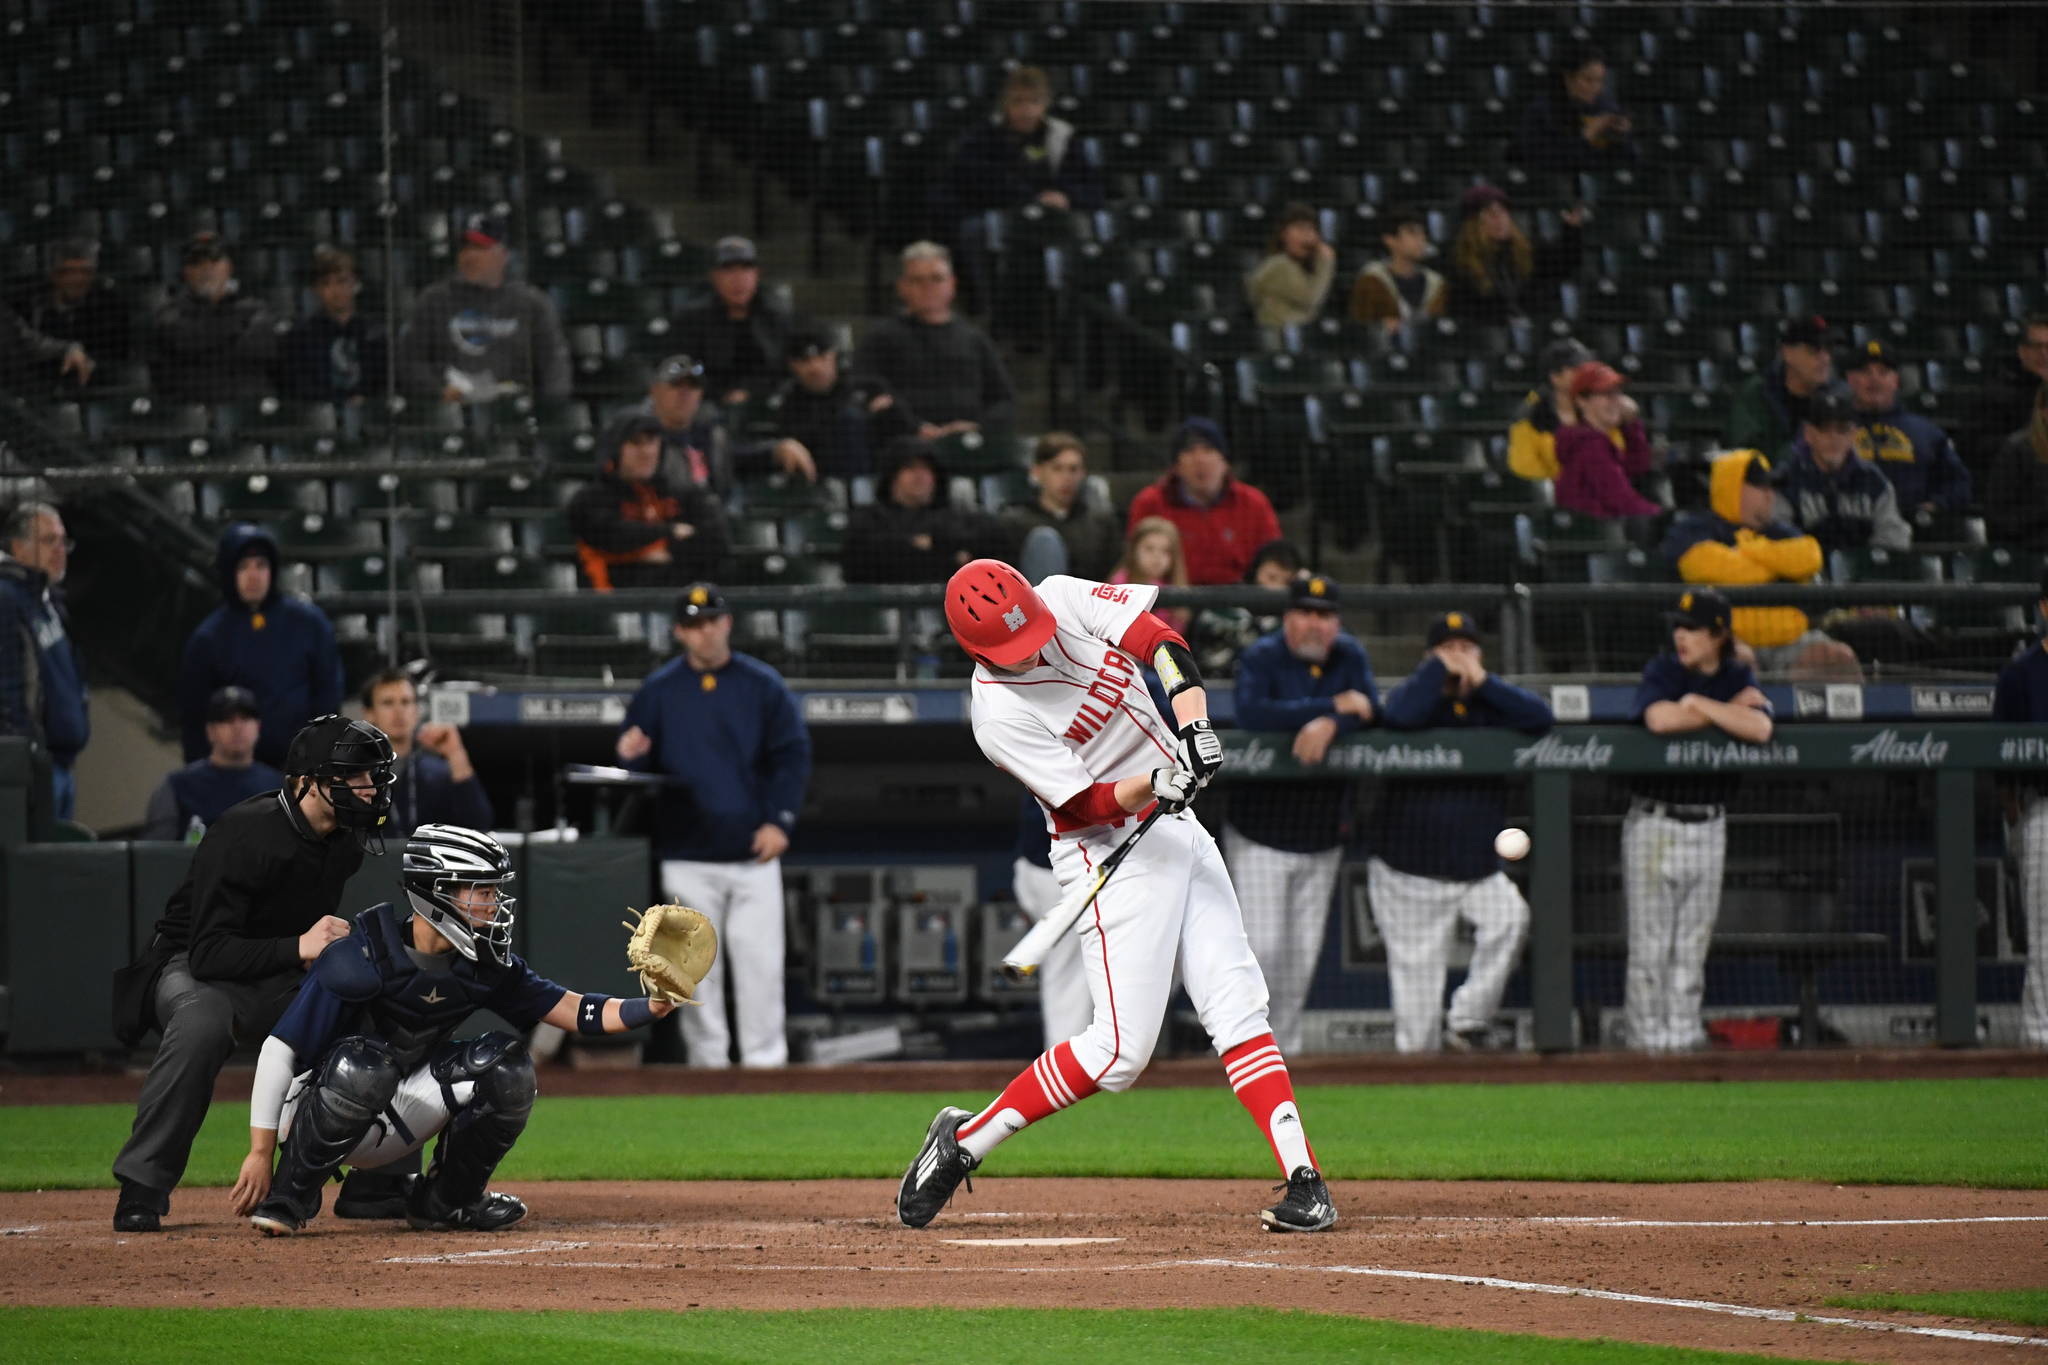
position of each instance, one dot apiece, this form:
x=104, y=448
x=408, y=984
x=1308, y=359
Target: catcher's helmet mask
x=439, y=862
x=331, y=750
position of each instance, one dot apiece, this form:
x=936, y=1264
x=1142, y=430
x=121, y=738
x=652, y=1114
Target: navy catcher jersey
x=369, y=984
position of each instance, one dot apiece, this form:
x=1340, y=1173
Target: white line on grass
x=1614, y=1296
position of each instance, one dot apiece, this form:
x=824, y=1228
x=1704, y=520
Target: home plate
x=1028, y=1241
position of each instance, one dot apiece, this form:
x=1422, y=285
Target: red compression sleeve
x=1094, y=805
x=1146, y=634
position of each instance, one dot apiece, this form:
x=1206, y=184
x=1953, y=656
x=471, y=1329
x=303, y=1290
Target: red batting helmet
x=995, y=615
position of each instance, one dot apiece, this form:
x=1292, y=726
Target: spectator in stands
x=192, y=797
x=333, y=354
x=1284, y=841
x=480, y=334
x=825, y=422
x=2016, y=502
x=2022, y=699
x=75, y=303
x=1768, y=407
x=1293, y=282
x=1915, y=454
x=1497, y=273
x=1433, y=862
x=1674, y=839
x=1532, y=440
x=738, y=334
x=209, y=343
x=1153, y=554
x=912, y=534
x=1738, y=540
x=437, y=784
x=28, y=358
x=697, y=447
x=1060, y=529
x=1575, y=126
x=1220, y=634
x=1600, y=453
x=42, y=689
x=1835, y=495
x=635, y=527
x=277, y=645
x=2007, y=403
x=1399, y=289
x=1222, y=520
x=941, y=366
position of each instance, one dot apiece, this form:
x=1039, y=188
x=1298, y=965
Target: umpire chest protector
x=391, y=998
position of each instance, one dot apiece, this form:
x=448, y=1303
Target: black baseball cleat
x=276, y=1218
x=939, y=1167
x=1306, y=1206
x=488, y=1213
x=140, y=1208
x=373, y=1193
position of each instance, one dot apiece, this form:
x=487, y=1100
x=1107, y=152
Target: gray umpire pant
x=201, y=1022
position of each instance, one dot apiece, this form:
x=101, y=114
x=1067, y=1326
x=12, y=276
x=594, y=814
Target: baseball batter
x=1058, y=701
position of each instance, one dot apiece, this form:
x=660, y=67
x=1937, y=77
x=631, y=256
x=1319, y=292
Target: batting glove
x=1174, y=789
x=1201, y=750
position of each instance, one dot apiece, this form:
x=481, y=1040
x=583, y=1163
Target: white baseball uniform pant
x=1671, y=877
x=418, y=1110
x=743, y=901
x=1062, y=983
x=1418, y=918
x=2031, y=847
x=1170, y=899
x=1286, y=901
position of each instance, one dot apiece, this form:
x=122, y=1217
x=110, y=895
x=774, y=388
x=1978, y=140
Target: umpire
x=255, y=909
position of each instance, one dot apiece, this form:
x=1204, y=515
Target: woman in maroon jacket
x=1599, y=454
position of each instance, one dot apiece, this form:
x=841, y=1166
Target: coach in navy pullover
x=1445, y=829
x=725, y=725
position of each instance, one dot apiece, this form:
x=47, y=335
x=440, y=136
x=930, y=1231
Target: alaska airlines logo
x=1105, y=695
x=1589, y=755
x=1886, y=747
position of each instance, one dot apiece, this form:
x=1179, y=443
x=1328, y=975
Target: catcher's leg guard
x=478, y=1135
x=357, y=1080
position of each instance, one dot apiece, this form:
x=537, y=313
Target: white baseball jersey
x=1083, y=714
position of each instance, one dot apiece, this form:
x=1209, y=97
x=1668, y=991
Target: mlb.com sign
x=1887, y=749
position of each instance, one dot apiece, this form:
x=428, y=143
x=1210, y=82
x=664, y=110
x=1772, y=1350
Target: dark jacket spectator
x=209, y=344
x=1023, y=156
x=1600, y=453
x=75, y=303
x=192, y=797
x=841, y=422
x=479, y=333
x=1060, y=501
x=1915, y=454
x=2006, y=403
x=279, y=646
x=333, y=354
x=1768, y=408
x=944, y=368
x=42, y=690
x=2016, y=501
x=29, y=359
x=1222, y=521
x=635, y=527
x=911, y=534
x=1497, y=274
x=734, y=332
x=1837, y=498
x=1576, y=125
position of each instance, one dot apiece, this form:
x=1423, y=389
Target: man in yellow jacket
x=1738, y=540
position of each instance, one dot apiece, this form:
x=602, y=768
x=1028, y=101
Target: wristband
x=636, y=1013
x=590, y=1014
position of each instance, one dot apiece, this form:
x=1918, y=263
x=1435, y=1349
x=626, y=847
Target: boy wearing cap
x=192, y=797
x=828, y=422
x=1674, y=839
x=1913, y=453
x=1395, y=291
x=1223, y=521
x=724, y=727
x=734, y=330
x=1598, y=454
x=1283, y=841
x=634, y=528
x=1532, y=440
x=1433, y=860
x=333, y=354
x=1836, y=496
x=208, y=343
x=479, y=334
x=2022, y=699
x=1768, y=408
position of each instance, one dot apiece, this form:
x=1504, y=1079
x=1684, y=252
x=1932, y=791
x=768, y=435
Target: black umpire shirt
x=260, y=878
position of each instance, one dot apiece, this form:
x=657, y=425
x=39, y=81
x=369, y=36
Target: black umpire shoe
x=937, y=1170
x=373, y=1193
x=1306, y=1207
x=140, y=1208
x=488, y=1213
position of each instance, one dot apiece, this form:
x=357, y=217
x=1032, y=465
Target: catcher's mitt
x=672, y=948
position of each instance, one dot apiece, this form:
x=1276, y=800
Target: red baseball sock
x=1258, y=1073
x=1045, y=1087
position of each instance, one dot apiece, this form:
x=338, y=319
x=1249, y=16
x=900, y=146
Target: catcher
x=362, y=1068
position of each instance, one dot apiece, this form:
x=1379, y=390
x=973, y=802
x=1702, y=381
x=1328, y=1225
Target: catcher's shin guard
x=480, y=1132
x=356, y=1082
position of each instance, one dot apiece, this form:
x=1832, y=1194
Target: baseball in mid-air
x=1512, y=844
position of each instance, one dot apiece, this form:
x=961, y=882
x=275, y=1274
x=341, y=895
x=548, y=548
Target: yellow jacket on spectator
x=1715, y=547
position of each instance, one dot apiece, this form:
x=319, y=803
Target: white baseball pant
x=1171, y=898
x=418, y=1110
x=1671, y=877
x=1062, y=983
x=2032, y=851
x=1418, y=917
x=1286, y=902
x=743, y=901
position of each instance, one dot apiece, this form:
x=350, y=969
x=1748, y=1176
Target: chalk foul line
x=457, y=1257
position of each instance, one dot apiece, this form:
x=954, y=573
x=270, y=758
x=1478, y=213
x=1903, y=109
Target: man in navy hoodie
x=42, y=692
x=278, y=646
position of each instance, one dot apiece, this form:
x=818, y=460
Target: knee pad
x=357, y=1078
x=500, y=1068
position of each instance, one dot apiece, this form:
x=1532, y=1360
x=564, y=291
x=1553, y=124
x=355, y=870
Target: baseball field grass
x=2023, y=1307
x=1226, y=1336
x=1972, y=1132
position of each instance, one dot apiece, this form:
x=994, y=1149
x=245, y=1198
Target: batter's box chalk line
x=493, y=1253
x=1597, y=1221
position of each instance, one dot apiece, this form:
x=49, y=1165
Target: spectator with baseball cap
x=822, y=421
x=1532, y=439
x=1767, y=410
x=1834, y=494
x=942, y=366
x=208, y=342
x=1223, y=521
x=1600, y=453
x=634, y=526
x=1497, y=273
x=735, y=330
x=1433, y=861
x=192, y=797
x=1912, y=452
x=481, y=334
x=1397, y=289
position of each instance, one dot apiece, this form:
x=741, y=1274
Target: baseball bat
x=1022, y=960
